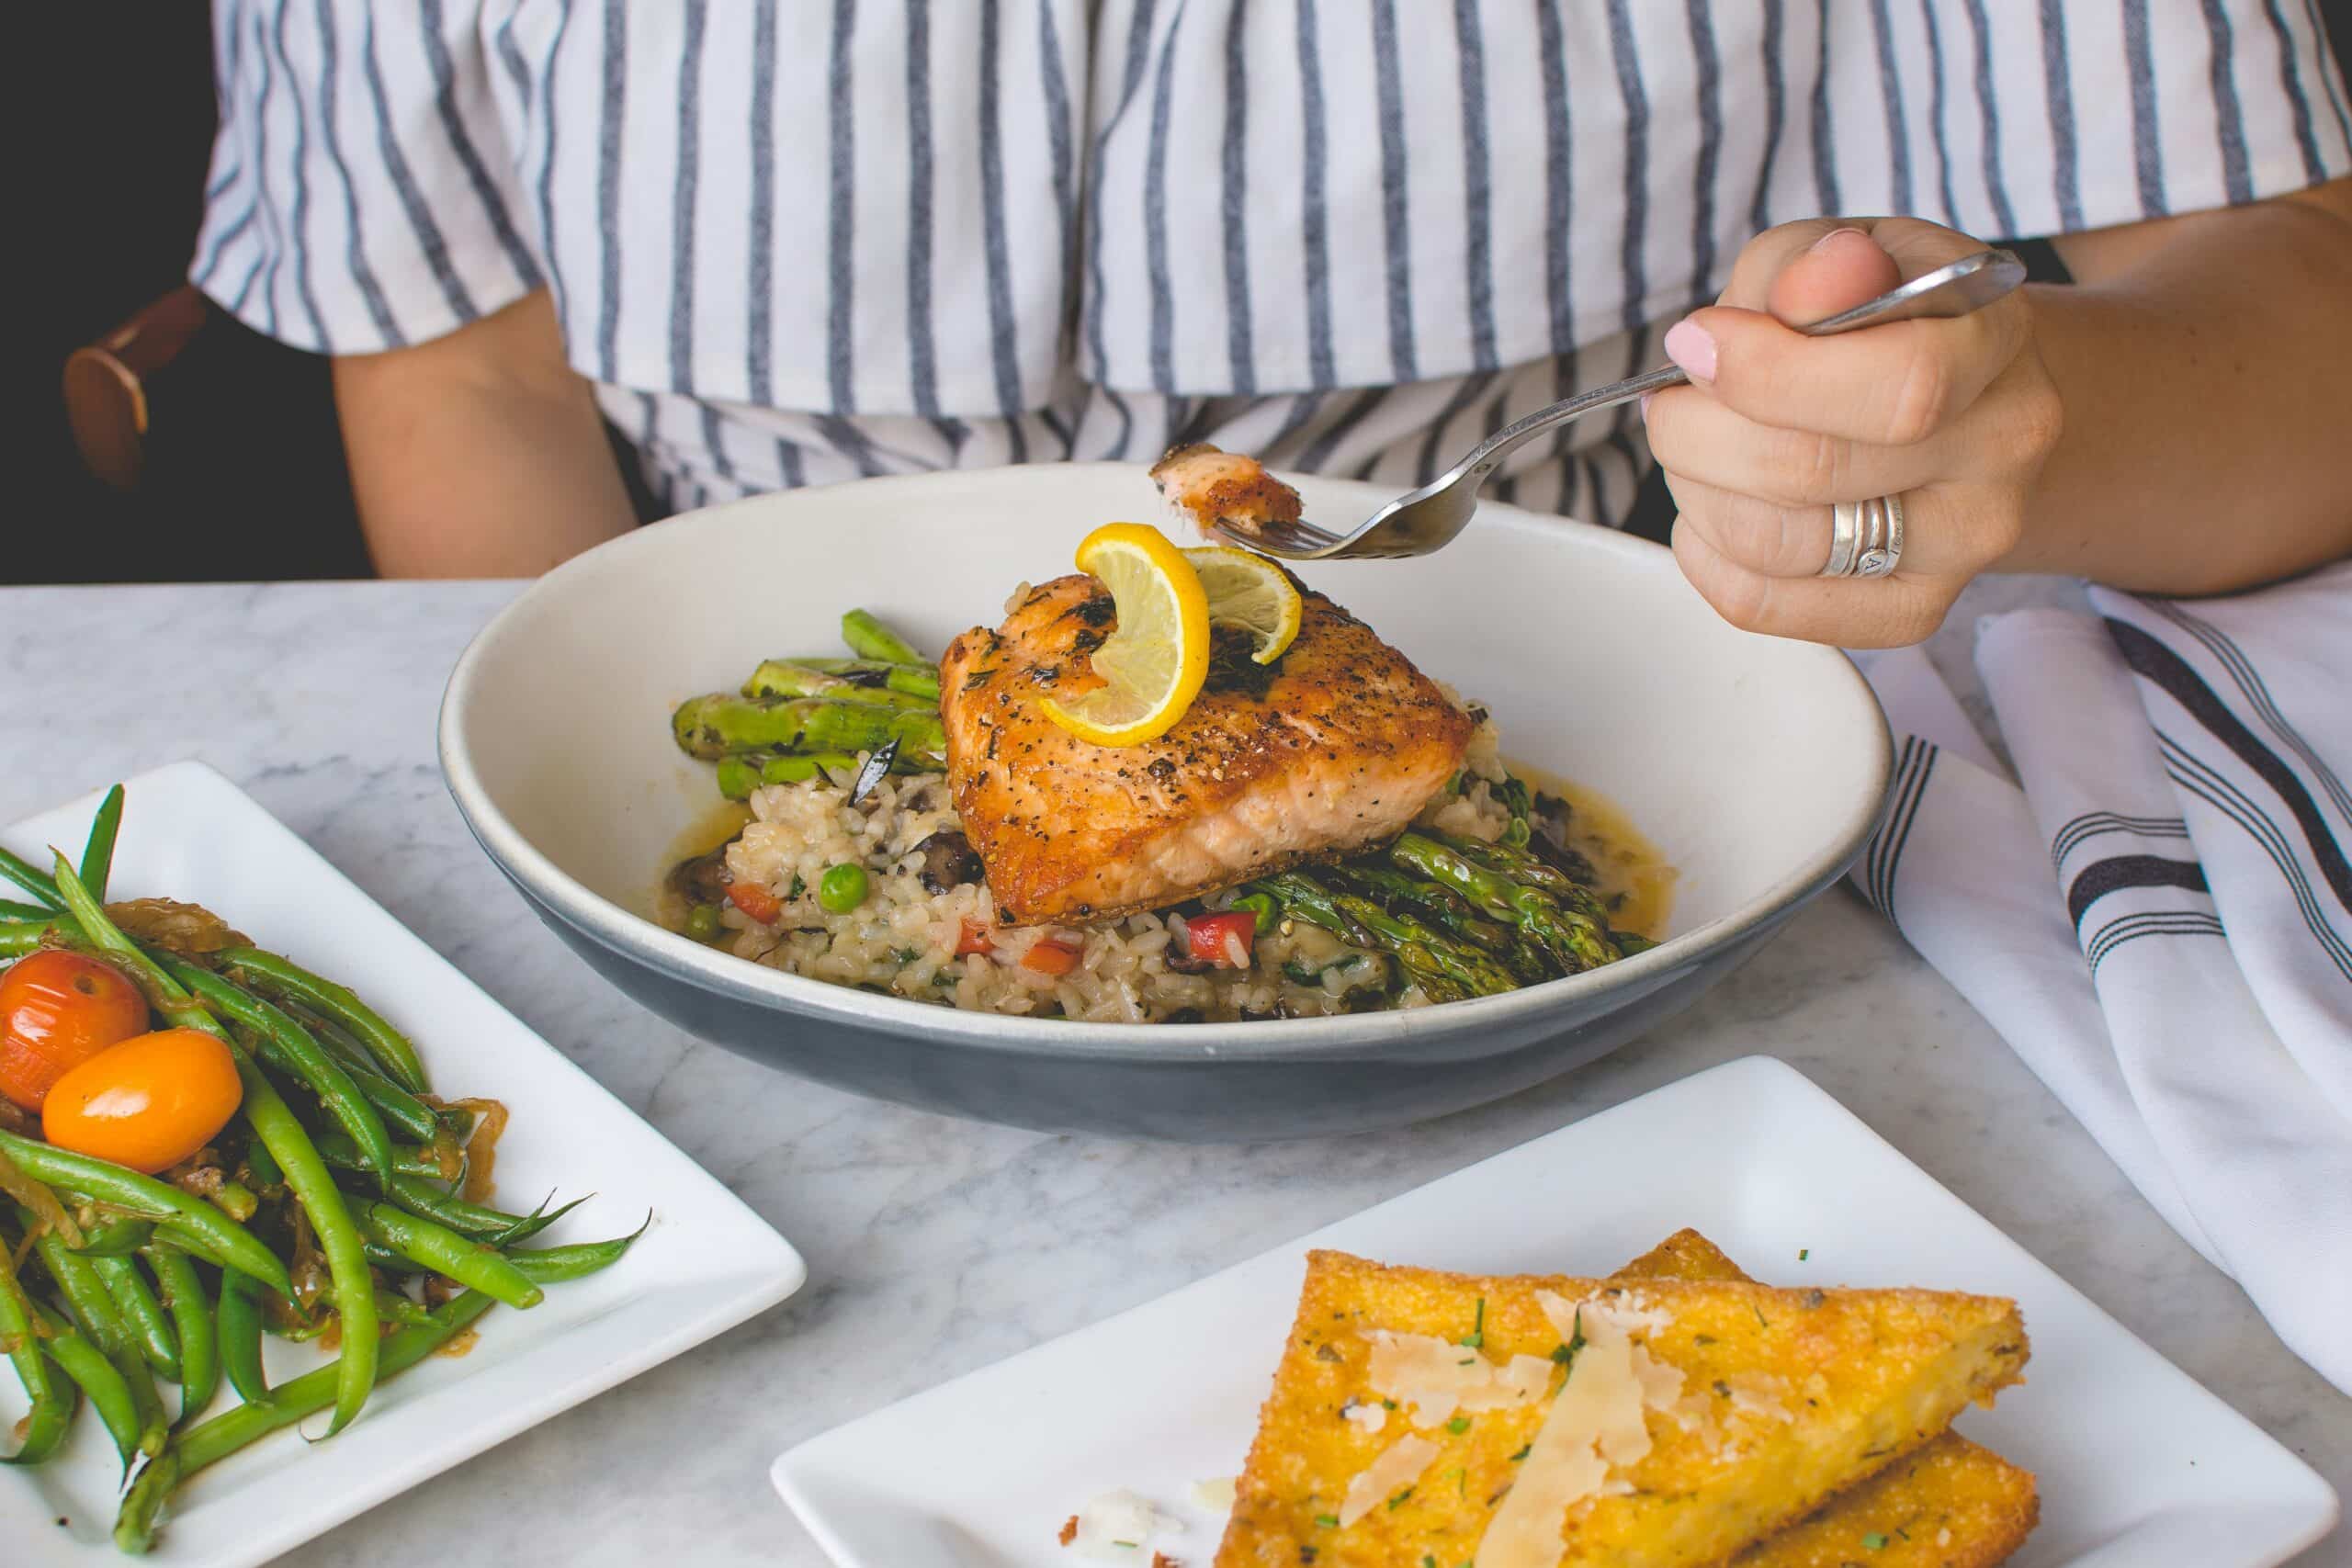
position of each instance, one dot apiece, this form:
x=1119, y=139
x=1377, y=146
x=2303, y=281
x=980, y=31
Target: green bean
x=216, y=1439
x=101, y=1323
x=384, y=1261
x=234, y=1198
x=338, y=1237
x=240, y=1325
x=20, y=937
x=408, y=1159
x=869, y=639
x=292, y=1048
x=191, y=1311
x=282, y=977
x=555, y=1264
x=98, y=854
x=143, y=1315
x=217, y=1235
x=262, y=1170
x=10, y=909
x=537, y=1221
x=116, y=1237
x=52, y=1412
x=445, y=1251
x=26, y=876
x=427, y=1202
x=401, y=1111
x=97, y=1376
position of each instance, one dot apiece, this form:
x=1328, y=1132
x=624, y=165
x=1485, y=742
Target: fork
x=1428, y=519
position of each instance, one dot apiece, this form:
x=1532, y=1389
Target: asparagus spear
x=919, y=680
x=1528, y=964
x=792, y=677
x=739, y=775
x=869, y=639
x=713, y=725
x=1573, y=939
x=1445, y=968
x=1526, y=865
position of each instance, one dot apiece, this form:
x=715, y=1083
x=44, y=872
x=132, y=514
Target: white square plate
x=707, y=1263
x=2138, y=1466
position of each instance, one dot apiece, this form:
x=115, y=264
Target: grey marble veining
x=937, y=1246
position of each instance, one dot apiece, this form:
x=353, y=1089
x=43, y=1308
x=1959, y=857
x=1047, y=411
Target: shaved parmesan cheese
x=1432, y=1379
x=1398, y=1468
x=1215, y=1496
x=1661, y=1383
x=1759, y=1394
x=1564, y=1464
x=1118, y=1525
x=1369, y=1418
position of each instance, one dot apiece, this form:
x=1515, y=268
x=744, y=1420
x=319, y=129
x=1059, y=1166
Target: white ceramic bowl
x=1759, y=766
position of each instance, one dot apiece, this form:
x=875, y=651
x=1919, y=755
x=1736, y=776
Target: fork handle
x=1954, y=290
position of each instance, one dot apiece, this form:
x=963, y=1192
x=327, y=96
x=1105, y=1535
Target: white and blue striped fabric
x=797, y=240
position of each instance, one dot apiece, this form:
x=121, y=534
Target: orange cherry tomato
x=148, y=1103
x=57, y=1010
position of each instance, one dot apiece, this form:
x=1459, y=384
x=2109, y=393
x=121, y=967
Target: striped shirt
x=797, y=240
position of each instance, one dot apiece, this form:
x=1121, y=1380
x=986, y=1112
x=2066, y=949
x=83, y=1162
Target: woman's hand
x=1956, y=416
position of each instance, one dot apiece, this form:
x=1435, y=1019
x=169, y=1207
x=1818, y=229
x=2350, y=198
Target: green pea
x=702, y=922
x=840, y=889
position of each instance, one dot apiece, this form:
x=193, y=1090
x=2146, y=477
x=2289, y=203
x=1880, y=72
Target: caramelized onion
x=191, y=930
x=48, y=1214
x=481, y=1146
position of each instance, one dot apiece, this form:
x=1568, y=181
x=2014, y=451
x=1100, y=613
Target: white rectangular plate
x=2138, y=1466
x=707, y=1263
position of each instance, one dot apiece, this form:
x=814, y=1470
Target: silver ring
x=1865, y=538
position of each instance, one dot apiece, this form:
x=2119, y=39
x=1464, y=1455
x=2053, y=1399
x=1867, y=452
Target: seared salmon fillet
x=1419, y=1415
x=1334, y=747
x=1950, y=1505
x=1211, y=486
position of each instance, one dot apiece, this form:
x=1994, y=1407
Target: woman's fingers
x=1695, y=436
x=1879, y=612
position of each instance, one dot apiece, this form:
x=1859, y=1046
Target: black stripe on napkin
x=1917, y=761
x=2091, y=824
x=2201, y=780
x=2249, y=680
x=2132, y=928
x=2113, y=874
x=2160, y=664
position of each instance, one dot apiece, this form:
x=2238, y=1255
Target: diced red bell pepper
x=755, y=901
x=1054, y=954
x=974, y=938
x=1210, y=938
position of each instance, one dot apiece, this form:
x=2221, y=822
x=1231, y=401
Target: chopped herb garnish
x=1762, y=1322
x=1461, y=1480
x=1130, y=1545
x=1804, y=1253
x=1520, y=1455
x=1328, y=1521
x=1388, y=1404
x=1875, y=1541
x=798, y=887
x=1399, y=1497
x=1567, y=1354
x=1458, y=1426
x=1467, y=1362
x=1477, y=1335
x=1428, y=1561
x=1723, y=1389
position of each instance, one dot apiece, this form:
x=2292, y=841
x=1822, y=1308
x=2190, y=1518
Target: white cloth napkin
x=2160, y=920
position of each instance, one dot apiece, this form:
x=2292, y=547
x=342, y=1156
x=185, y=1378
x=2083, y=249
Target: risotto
x=927, y=930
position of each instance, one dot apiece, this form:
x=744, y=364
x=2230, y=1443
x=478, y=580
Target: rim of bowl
x=630, y=935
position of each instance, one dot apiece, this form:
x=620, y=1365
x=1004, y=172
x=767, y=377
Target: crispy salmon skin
x=1334, y=747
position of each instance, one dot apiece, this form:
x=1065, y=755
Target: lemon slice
x=1251, y=592
x=1153, y=665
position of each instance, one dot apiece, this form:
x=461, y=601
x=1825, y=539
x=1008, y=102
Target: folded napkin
x=2160, y=920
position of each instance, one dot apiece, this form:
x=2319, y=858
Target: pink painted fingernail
x=1691, y=345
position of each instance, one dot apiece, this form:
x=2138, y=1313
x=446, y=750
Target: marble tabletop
x=934, y=1245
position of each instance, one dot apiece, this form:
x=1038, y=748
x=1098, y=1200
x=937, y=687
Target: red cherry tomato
x=1052, y=954
x=149, y=1102
x=973, y=937
x=1210, y=938
x=57, y=1010
x=755, y=901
